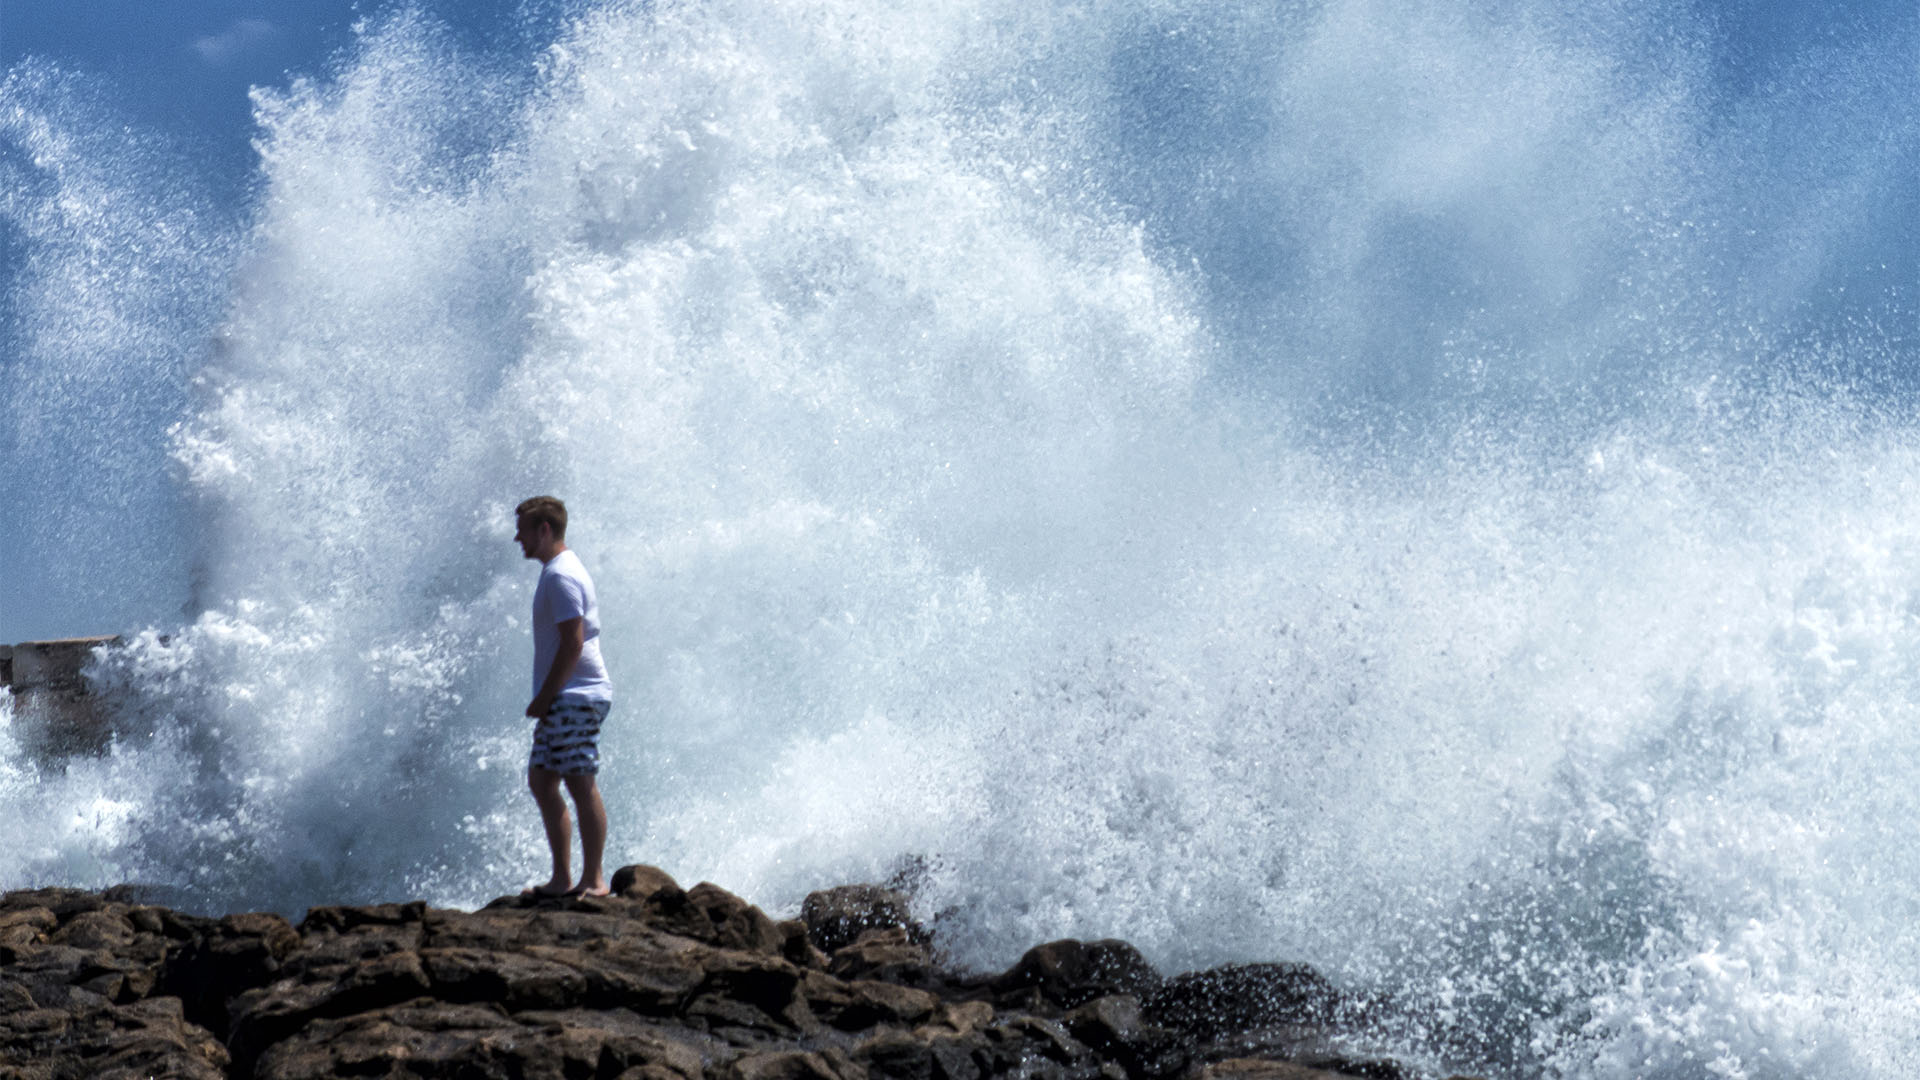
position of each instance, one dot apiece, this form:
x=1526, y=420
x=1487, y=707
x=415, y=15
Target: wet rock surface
x=654, y=982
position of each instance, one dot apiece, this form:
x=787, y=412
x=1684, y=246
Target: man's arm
x=573, y=638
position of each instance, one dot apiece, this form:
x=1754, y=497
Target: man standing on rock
x=571, y=695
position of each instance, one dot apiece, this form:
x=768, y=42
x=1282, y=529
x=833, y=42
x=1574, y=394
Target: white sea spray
x=1407, y=489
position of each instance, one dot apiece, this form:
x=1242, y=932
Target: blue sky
x=183, y=67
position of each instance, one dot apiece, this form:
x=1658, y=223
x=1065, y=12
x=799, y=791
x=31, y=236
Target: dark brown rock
x=62, y=904
x=1335, y=1068
x=1257, y=1069
x=1113, y=1027
x=107, y=928
x=340, y=920
x=1034, y=1046
x=896, y=1054
x=1364, y=1068
x=80, y=955
x=224, y=960
x=423, y=1038
x=837, y=917
x=1106, y=1021
x=266, y=1016
x=711, y=914
x=886, y=1003
x=325, y=954
x=574, y=957
x=26, y=926
x=145, y=1038
x=641, y=882
x=960, y=1018
x=797, y=948
x=889, y=955
x=795, y=1065
x=61, y=976
x=656, y=983
x=433, y=1039
x=933, y=1052
x=860, y=1004
x=1047, y=1036
x=765, y=982
x=1070, y=973
x=147, y=920
x=1241, y=996
x=629, y=1041
x=515, y=980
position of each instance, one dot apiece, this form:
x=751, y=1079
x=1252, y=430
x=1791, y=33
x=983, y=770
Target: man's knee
x=543, y=782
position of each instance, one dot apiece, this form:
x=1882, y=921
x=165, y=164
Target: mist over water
x=113, y=266
x=1429, y=493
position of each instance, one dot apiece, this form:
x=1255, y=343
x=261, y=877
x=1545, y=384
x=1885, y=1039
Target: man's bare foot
x=549, y=891
x=584, y=889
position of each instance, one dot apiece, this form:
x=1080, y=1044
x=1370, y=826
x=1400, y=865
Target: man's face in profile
x=531, y=535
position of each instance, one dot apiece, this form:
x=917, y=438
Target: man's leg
x=593, y=832
x=545, y=785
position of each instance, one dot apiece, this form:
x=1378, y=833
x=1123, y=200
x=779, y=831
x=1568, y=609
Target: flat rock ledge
x=654, y=982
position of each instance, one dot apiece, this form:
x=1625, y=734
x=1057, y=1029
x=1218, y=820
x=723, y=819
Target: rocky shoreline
x=654, y=982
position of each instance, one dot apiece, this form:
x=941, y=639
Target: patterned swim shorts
x=568, y=740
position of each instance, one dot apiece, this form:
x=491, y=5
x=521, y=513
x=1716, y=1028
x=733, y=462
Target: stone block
x=54, y=715
x=52, y=665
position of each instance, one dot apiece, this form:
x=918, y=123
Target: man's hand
x=573, y=638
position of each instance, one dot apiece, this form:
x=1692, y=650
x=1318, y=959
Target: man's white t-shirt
x=566, y=592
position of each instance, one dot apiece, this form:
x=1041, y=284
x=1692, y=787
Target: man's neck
x=553, y=552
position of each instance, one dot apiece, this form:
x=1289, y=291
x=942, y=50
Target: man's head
x=542, y=527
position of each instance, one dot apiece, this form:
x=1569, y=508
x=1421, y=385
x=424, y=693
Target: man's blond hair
x=545, y=508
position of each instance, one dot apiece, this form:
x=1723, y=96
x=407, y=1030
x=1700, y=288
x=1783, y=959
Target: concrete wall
x=54, y=716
